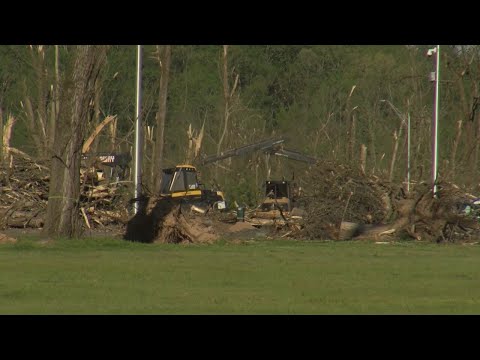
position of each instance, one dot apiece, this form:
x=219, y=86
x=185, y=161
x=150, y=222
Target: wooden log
x=35, y=223
x=348, y=230
x=85, y=218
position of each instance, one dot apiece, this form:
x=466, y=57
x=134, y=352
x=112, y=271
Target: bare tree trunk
x=352, y=138
x=458, y=136
x=194, y=143
x=476, y=117
x=32, y=125
x=7, y=158
x=57, y=80
x=113, y=134
x=6, y=136
x=1, y=133
x=51, y=122
x=227, y=96
x=349, y=120
x=63, y=209
x=42, y=107
x=40, y=104
x=96, y=112
x=371, y=141
x=164, y=56
x=55, y=104
x=363, y=158
x=267, y=166
x=396, y=137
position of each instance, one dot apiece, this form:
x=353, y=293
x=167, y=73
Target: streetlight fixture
x=405, y=120
x=138, y=132
x=435, y=77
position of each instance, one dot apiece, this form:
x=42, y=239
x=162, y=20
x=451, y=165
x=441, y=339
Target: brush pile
x=336, y=194
x=104, y=202
x=24, y=196
x=343, y=203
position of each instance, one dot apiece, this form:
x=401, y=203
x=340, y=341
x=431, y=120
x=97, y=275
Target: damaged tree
x=77, y=94
x=164, y=56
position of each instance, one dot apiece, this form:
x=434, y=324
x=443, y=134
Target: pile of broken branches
x=24, y=186
x=336, y=193
x=343, y=202
x=23, y=194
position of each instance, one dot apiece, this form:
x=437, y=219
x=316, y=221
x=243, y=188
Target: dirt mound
x=240, y=226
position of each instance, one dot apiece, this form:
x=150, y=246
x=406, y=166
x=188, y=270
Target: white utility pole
x=138, y=131
x=436, y=78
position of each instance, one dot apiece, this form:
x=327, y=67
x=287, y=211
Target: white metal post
x=435, y=122
x=138, y=131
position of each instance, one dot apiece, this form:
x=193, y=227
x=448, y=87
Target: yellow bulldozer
x=181, y=183
x=281, y=201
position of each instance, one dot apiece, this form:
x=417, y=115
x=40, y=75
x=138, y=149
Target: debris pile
x=343, y=203
x=24, y=196
x=104, y=203
x=439, y=219
x=337, y=202
x=336, y=194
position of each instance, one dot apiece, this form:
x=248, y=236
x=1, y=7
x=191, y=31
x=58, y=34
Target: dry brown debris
x=343, y=203
x=24, y=196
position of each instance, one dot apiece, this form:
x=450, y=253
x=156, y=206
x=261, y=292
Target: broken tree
x=77, y=94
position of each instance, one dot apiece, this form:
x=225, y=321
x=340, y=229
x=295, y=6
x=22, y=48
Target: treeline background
x=325, y=100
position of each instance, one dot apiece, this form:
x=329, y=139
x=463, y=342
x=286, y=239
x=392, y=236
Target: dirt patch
x=240, y=226
x=5, y=239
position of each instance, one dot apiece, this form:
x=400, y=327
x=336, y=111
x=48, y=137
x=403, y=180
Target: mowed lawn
x=106, y=276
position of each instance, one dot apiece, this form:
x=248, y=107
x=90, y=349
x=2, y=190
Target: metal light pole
x=138, y=131
x=405, y=120
x=436, y=79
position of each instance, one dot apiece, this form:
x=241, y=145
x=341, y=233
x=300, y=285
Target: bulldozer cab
x=180, y=181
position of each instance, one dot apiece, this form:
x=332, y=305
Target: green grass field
x=264, y=277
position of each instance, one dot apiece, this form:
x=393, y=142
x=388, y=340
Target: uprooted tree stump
x=438, y=219
x=164, y=220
